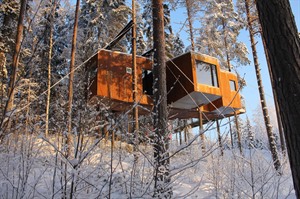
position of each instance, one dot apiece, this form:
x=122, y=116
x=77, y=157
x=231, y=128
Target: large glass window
x=206, y=74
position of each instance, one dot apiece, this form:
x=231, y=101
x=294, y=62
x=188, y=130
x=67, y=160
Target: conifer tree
x=15, y=62
x=268, y=125
x=218, y=35
x=162, y=179
x=283, y=46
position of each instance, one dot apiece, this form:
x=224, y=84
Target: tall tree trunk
x=280, y=128
x=71, y=79
x=51, y=19
x=162, y=179
x=188, y=4
x=135, y=101
x=283, y=46
x=15, y=63
x=67, y=136
x=271, y=138
x=135, y=82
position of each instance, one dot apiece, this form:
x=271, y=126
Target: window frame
x=212, y=70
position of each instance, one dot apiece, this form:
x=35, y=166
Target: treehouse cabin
x=111, y=80
x=196, y=81
x=193, y=81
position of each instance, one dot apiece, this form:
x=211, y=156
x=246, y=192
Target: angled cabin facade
x=192, y=81
x=111, y=79
x=196, y=81
x=231, y=99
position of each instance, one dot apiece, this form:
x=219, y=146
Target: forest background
x=35, y=165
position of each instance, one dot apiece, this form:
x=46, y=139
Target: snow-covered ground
x=33, y=167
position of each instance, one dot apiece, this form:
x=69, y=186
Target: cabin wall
x=202, y=87
x=233, y=97
x=229, y=97
x=173, y=86
x=114, y=82
x=91, y=67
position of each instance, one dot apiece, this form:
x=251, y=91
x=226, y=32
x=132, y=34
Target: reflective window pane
x=232, y=85
x=206, y=74
x=214, y=76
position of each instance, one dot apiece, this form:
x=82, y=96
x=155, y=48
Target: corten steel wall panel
x=202, y=87
x=184, y=64
x=91, y=67
x=229, y=98
x=236, y=103
x=112, y=80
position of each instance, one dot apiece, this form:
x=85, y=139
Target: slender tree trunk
x=15, y=64
x=71, y=79
x=226, y=45
x=135, y=82
x=283, y=47
x=135, y=101
x=271, y=138
x=67, y=136
x=238, y=132
x=230, y=131
x=51, y=19
x=162, y=179
x=188, y=4
x=280, y=128
x=219, y=138
x=3, y=76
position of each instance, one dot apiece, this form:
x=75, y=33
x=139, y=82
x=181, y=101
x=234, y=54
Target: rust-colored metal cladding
x=186, y=81
x=231, y=99
x=111, y=76
x=196, y=81
x=193, y=81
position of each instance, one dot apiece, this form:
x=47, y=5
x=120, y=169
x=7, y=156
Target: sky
x=250, y=92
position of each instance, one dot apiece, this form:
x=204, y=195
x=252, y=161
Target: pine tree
x=162, y=179
x=271, y=138
x=283, y=46
x=174, y=46
x=51, y=24
x=15, y=63
x=220, y=26
x=71, y=82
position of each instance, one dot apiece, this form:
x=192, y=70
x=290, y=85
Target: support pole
x=180, y=138
x=202, y=137
x=230, y=131
x=238, y=132
x=220, y=138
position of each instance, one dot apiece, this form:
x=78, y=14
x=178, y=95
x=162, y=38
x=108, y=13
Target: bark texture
x=71, y=79
x=189, y=5
x=51, y=22
x=283, y=47
x=162, y=187
x=271, y=138
x=15, y=64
